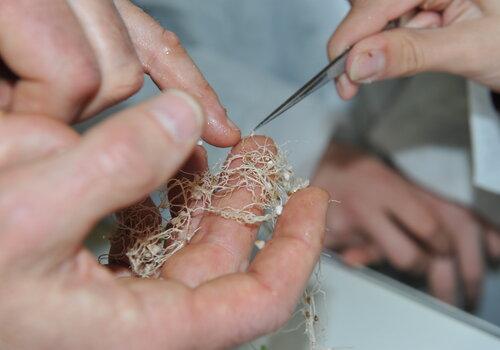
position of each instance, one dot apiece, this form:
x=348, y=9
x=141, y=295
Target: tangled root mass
x=263, y=171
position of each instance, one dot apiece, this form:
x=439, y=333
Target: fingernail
x=179, y=114
x=367, y=66
x=221, y=127
x=343, y=83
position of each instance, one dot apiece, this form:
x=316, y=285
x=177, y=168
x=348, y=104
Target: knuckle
x=169, y=39
x=167, y=43
x=126, y=84
x=428, y=225
x=84, y=82
x=412, y=58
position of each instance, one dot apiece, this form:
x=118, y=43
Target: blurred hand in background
x=381, y=216
x=455, y=36
x=69, y=59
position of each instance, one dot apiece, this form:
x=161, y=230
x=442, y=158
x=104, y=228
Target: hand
x=70, y=59
x=362, y=184
x=376, y=201
x=457, y=278
x=55, y=292
x=455, y=36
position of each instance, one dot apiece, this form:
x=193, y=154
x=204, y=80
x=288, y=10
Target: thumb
x=405, y=52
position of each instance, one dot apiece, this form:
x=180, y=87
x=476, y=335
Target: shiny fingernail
x=343, y=83
x=179, y=114
x=368, y=66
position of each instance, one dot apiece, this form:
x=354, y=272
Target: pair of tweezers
x=332, y=71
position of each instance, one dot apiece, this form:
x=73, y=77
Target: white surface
x=485, y=128
x=364, y=314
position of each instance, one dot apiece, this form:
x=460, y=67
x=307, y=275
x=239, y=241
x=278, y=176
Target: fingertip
x=310, y=204
x=353, y=258
x=316, y=193
x=254, y=142
x=220, y=131
x=334, y=48
x=346, y=88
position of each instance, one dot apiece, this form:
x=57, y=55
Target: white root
x=264, y=172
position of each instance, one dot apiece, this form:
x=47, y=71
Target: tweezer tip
x=256, y=128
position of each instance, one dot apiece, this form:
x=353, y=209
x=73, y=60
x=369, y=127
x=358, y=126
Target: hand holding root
x=211, y=297
x=213, y=226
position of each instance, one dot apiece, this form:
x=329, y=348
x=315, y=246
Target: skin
x=70, y=59
x=449, y=249
x=434, y=35
x=53, y=289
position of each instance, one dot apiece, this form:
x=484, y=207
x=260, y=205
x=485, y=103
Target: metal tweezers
x=333, y=70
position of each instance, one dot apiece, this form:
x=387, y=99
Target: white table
x=366, y=311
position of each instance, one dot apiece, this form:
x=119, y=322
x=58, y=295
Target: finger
x=169, y=65
x=435, y=5
x=419, y=221
x=493, y=244
x=221, y=245
x=340, y=226
x=404, y=52
x=6, y=89
x=366, y=18
x=121, y=71
x=442, y=279
x=341, y=240
x=346, y=88
x=116, y=164
x=65, y=75
x=275, y=280
x=24, y=138
x=425, y=20
x=399, y=249
x=364, y=255
x=470, y=262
